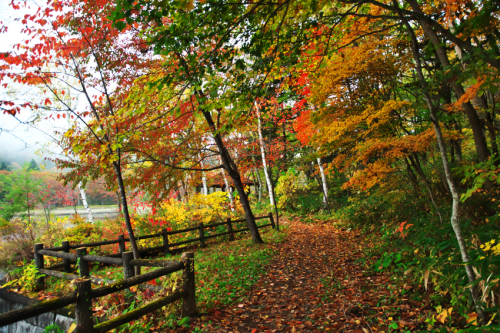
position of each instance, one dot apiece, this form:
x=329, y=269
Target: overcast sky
x=19, y=142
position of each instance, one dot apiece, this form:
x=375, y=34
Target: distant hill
x=15, y=158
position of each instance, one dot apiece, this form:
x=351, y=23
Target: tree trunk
x=260, y=184
x=233, y=172
x=258, y=179
x=186, y=188
x=416, y=164
x=270, y=188
x=474, y=121
x=128, y=224
x=228, y=189
x=325, y=185
x=182, y=193
x=455, y=222
x=255, y=182
x=84, y=200
x=412, y=177
x=119, y=200
x=204, y=179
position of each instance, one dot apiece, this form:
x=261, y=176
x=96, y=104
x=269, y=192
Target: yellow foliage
x=175, y=215
x=491, y=246
x=212, y=206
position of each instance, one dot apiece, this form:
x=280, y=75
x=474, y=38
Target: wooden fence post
x=202, y=235
x=189, y=302
x=271, y=218
x=166, y=248
x=128, y=269
x=230, y=229
x=83, y=308
x=83, y=266
x=121, y=243
x=40, y=282
x=67, y=262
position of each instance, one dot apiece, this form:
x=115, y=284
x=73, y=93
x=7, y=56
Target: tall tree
x=73, y=43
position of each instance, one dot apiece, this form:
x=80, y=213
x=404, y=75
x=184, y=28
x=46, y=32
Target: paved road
x=98, y=213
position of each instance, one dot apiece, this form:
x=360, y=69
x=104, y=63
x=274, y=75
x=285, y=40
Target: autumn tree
x=73, y=51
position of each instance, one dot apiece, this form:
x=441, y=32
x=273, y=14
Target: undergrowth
x=412, y=244
x=224, y=272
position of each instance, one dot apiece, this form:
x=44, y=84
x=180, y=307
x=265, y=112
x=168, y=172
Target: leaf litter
x=315, y=284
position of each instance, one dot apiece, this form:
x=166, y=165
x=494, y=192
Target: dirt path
x=314, y=285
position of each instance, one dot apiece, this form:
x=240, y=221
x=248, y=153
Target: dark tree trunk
x=126, y=215
x=474, y=121
x=412, y=177
x=233, y=172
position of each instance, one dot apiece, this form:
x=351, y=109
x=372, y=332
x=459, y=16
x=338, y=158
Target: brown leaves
x=313, y=284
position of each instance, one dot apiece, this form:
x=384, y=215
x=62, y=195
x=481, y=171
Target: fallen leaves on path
x=314, y=285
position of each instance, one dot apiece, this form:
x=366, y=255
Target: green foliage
x=387, y=260
x=23, y=195
x=479, y=175
x=309, y=203
x=296, y=194
x=20, y=236
x=287, y=189
x=54, y=328
x=410, y=242
x=5, y=186
x=33, y=165
x=26, y=279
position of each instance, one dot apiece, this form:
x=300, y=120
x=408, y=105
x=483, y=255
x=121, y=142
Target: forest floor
x=315, y=284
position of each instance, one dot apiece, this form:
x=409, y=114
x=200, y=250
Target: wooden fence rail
x=83, y=313
x=84, y=294
x=84, y=259
x=63, y=251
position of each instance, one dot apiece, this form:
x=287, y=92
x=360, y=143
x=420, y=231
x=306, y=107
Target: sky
x=20, y=142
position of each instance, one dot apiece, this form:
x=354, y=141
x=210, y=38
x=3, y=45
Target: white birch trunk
x=84, y=200
x=204, y=180
x=323, y=179
x=264, y=163
x=455, y=194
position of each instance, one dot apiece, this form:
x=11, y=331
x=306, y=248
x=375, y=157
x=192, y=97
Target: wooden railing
x=84, y=293
x=167, y=247
x=83, y=312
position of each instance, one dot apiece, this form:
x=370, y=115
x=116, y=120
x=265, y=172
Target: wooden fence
x=83, y=308
x=84, y=293
x=166, y=247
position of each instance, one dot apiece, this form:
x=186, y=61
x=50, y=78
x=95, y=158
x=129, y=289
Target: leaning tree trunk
x=233, y=172
x=270, y=188
x=85, y=204
x=228, y=188
x=420, y=172
x=455, y=218
x=474, y=121
x=126, y=214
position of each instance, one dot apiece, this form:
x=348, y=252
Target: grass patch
x=225, y=271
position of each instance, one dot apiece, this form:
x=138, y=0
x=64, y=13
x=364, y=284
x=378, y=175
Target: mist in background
x=20, y=142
